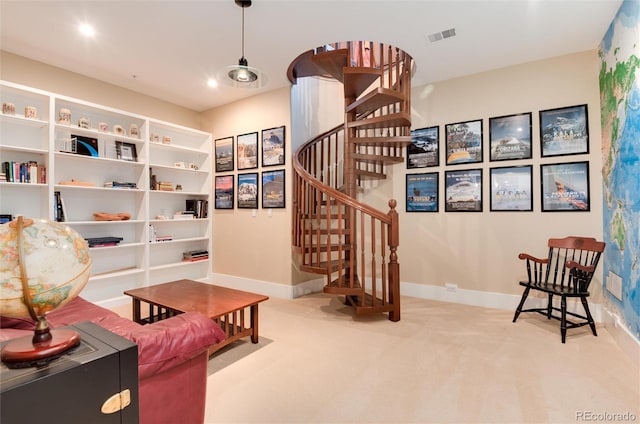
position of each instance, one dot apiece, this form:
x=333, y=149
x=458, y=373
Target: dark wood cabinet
x=76, y=387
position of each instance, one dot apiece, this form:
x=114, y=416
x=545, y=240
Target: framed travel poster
x=424, y=150
x=224, y=154
x=510, y=137
x=464, y=142
x=565, y=187
x=463, y=191
x=511, y=188
x=273, y=146
x=273, y=189
x=224, y=192
x=247, y=147
x=248, y=191
x=422, y=192
x=564, y=131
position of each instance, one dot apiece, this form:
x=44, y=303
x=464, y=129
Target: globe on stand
x=45, y=264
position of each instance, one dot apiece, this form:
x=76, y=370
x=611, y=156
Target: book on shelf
x=183, y=215
x=164, y=186
x=119, y=184
x=103, y=241
x=199, y=207
x=58, y=208
x=24, y=172
x=195, y=255
x=163, y=238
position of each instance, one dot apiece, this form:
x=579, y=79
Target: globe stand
x=46, y=344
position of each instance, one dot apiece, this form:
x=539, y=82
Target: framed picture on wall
x=463, y=191
x=126, y=151
x=565, y=187
x=273, y=146
x=564, y=131
x=248, y=191
x=464, y=142
x=224, y=154
x=247, y=148
x=510, y=137
x=424, y=150
x=224, y=192
x=273, y=189
x=511, y=188
x=422, y=192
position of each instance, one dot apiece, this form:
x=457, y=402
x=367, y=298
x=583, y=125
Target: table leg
x=254, y=323
x=136, y=310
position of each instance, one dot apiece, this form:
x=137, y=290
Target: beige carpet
x=442, y=363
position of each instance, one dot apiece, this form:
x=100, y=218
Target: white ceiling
x=173, y=47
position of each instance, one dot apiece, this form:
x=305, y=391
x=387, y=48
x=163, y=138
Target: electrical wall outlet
x=614, y=285
x=452, y=288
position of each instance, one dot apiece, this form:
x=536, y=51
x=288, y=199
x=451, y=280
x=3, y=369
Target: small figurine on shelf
x=64, y=116
x=8, y=108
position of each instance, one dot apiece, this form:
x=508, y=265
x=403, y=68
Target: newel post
x=394, y=266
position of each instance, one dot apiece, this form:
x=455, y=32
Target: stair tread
x=333, y=62
x=374, y=100
x=332, y=248
x=370, y=174
x=399, y=119
x=377, y=159
x=397, y=141
x=357, y=80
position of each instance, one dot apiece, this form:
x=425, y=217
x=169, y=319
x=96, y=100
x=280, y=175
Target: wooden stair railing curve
x=334, y=234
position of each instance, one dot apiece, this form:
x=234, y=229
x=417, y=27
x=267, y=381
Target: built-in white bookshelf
x=117, y=147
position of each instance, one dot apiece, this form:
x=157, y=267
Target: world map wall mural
x=619, y=53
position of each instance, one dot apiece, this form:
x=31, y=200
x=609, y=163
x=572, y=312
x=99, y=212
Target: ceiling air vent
x=447, y=33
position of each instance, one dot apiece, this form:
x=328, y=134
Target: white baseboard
x=267, y=288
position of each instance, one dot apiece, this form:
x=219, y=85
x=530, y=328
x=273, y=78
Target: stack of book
x=118, y=184
x=164, y=186
x=103, y=241
x=195, y=255
x=184, y=215
x=163, y=238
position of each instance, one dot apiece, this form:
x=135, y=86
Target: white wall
x=39, y=75
x=253, y=244
x=478, y=251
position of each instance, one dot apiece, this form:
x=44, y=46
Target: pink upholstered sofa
x=172, y=356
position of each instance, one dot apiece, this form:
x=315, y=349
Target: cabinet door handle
x=117, y=402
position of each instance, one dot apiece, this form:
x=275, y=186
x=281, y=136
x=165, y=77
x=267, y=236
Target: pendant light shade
x=242, y=75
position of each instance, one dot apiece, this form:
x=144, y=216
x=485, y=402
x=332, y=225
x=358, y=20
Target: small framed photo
x=564, y=131
x=224, y=192
x=422, y=192
x=247, y=148
x=463, y=191
x=248, y=191
x=273, y=189
x=424, y=150
x=565, y=187
x=273, y=146
x=464, y=142
x=511, y=188
x=510, y=137
x=126, y=151
x=224, y=154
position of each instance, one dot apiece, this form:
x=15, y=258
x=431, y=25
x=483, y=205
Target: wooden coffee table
x=223, y=305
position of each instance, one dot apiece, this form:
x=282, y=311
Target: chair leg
x=550, y=306
x=563, y=321
x=589, y=317
x=519, y=308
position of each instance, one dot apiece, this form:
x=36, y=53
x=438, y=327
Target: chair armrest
x=579, y=267
x=168, y=343
x=527, y=256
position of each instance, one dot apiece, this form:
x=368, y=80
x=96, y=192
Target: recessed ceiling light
x=87, y=30
x=212, y=83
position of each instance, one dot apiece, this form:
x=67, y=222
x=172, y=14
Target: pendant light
x=242, y=75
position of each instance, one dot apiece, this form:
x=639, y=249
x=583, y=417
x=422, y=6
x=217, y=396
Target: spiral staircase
x=334, y=234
